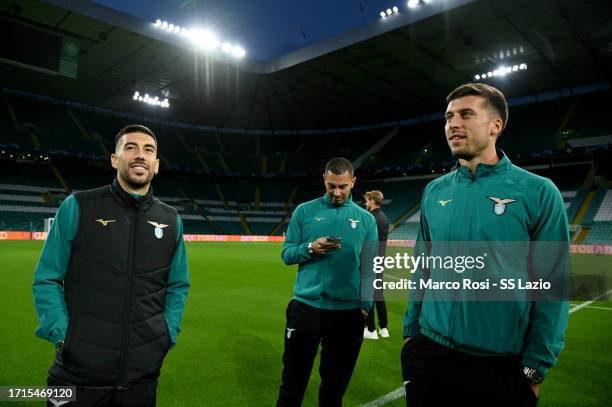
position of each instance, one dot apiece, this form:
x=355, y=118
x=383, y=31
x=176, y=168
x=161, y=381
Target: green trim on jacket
x=53, y=263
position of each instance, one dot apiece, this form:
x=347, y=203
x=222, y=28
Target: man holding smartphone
x=328, y=238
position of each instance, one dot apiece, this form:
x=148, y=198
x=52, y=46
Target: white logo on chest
x=500, y=204
x=159, y=229
x=354, y=223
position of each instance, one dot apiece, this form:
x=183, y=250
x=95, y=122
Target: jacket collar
x=128, y=200
x=485, y=170
x=328, y=201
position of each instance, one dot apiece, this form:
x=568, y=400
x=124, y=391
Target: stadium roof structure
x=382, y=71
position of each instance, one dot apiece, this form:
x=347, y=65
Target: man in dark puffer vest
x=112, y=280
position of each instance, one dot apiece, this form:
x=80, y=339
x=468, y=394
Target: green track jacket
x=460, y=207
x=331, y=281
x=53, y=264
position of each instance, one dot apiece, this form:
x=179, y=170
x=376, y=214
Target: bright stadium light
x=238, y=52
x=389, y=11
x=151, y=100
x=395, y=9
x=383, y=14
x=502, y=71
x=226, y=47
x=202, y=38
x=205, y=39
x=413, y=3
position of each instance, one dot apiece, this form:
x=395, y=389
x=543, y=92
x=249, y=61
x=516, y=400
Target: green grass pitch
x=229, y=352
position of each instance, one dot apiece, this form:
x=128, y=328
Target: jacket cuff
x=57, y=337
x=304, y=249
x=535, y=364
x=366, y=306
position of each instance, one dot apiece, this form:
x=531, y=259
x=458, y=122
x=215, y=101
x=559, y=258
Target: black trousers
x=340, y=334
x=381, y=310
x=435, y=375
x=141, y=394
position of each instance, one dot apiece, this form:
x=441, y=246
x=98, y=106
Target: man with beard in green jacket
x=485, y=353
x=332, y=240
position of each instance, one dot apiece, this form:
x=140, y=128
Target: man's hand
x=324, y=246
x=364, y=313
x=407, y=339
x=536, y=390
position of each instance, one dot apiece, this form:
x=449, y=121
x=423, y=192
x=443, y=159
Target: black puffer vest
x=115, y=289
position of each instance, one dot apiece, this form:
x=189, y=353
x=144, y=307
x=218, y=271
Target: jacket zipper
x=469, y=220
x=128, y=303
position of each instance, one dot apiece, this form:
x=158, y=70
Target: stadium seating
x=594, y=208
x=600, y=233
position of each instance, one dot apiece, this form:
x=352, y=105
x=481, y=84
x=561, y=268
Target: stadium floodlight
x=502, y=71
x=151, y=100
x=238, y=52
x=205, y=39
x=395, y=9
x=202, y=38
x=413, y=3
x=226, y=47
x=383, y=14
x=389, y=11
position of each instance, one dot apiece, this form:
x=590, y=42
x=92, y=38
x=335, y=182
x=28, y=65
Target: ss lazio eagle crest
x=354, y=223
x=159, y=229
x=500, y=204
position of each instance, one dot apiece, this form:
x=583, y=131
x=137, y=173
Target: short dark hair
x=134, y=128
x=493, y=96
x=339, y=165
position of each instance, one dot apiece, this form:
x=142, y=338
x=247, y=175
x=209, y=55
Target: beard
x=463, y=154
x=469, y=152
x=133, y=182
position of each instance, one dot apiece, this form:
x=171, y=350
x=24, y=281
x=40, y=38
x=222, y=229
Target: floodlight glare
x=477, y=77
x=489, y=74
x=203, y=38
x=395, y=9
x=389, y=11
x=238, y=51
x=515, y=68
x=383, y=14
x=413, y=3
x=523, y=67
